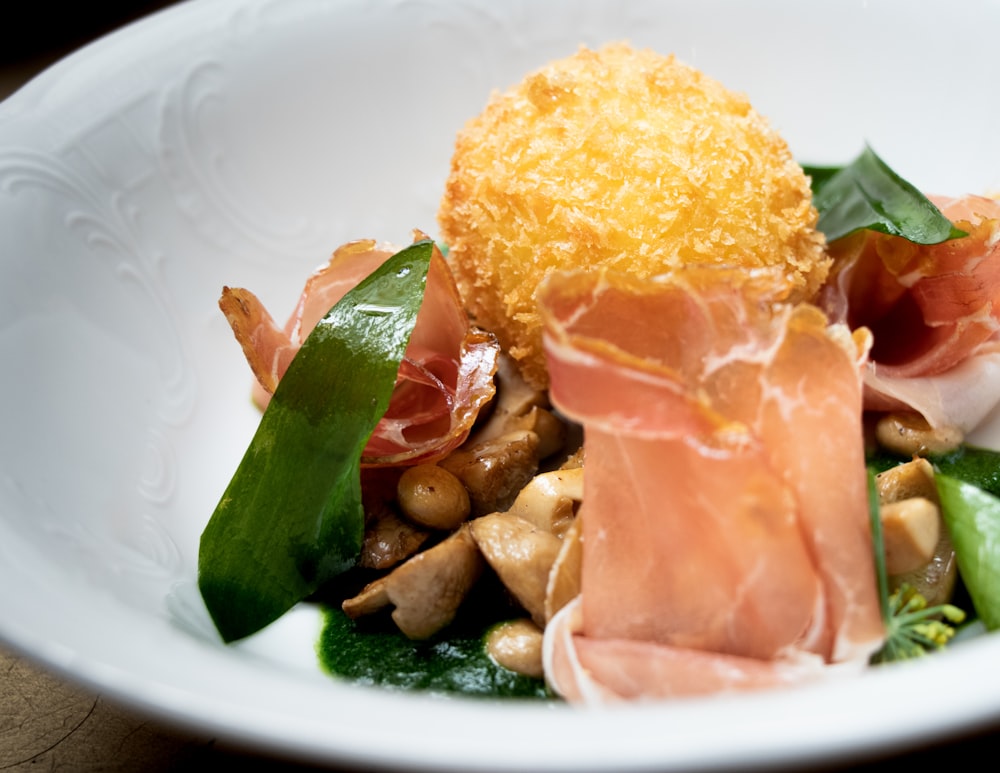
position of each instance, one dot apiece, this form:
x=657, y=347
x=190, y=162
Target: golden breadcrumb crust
x=619, y=158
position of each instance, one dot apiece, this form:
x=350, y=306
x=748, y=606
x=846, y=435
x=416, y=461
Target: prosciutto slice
x=447, y=371
x=934, y=311
x=725, y=521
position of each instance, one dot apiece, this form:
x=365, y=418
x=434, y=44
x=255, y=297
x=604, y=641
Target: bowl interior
x=238, y=143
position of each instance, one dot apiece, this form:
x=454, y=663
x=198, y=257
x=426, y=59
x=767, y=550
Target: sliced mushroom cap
x=564, y=577
x=514, y=399
x=495, y=470
x=550, y=499
x=521, y=554
x=912, y=479
x=389, y=540
x=427, y=590
x=373, y=597
x=551, y=430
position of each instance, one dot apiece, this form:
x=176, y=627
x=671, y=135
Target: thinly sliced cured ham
x=725, y=519
x=934, y=311
x=446, y=375
x=591, y=670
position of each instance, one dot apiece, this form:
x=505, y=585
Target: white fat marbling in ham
x=934, y=311
x=447, y=371
x=725, y=521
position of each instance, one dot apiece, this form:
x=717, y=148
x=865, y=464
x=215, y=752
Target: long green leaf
x=868, y=194
x=878, y=546
x=291, y=518
x=973, y=519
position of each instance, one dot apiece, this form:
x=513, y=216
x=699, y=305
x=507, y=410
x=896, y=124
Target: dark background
x=43, y=30
x=38, y=34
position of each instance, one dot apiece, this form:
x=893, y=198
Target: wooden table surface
x=50, y=724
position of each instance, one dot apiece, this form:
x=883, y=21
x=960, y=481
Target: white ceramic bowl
x=237, y=143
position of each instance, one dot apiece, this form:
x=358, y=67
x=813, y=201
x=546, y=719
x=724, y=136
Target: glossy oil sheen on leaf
x=973, y=519
x=867, y=194
x=291, y=518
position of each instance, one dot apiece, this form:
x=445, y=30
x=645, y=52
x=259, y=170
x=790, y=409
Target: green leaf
x=291, y=518
x=973, y=519
x=868, y=194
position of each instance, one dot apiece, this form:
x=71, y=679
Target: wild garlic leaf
x=291, y=517
x=867, y=194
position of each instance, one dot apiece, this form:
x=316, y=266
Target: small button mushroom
x=517, y=645
x=522, y=556
x=910, y=531
x=433, y=497
x=909, y=434
x=495, y=470
x=427, y=590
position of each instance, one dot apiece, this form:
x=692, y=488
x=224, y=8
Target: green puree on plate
x=453, y=662
x=373, y=651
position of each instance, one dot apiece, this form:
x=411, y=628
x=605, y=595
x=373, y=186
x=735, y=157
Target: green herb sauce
x=372, y=651
x=454, y=662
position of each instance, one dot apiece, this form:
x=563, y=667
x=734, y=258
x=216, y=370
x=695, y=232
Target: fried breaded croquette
x=619, y=158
